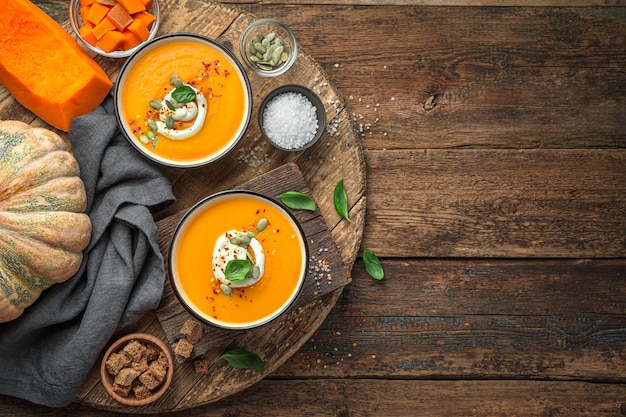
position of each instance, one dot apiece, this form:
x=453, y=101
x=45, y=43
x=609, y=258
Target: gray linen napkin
x=46, y=354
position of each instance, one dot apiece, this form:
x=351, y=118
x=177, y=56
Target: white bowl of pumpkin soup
x=237, y=260
x=183, y=100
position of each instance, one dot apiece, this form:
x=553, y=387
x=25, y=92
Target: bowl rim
x=315, y=100
x=196, y=162
x=74, y=13
x=282, y=68
x=107, y=378
x=269, y=318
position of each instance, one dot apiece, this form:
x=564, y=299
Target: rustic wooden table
x=494, y=138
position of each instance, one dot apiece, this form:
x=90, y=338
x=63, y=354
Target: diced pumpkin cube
x=147, y=3
x=86, y=3
x=130, y=41
x=120, y=17
x=102, y=28
x=138, y=29
x=110, y=3
x=132, y=6
x=146, y=17
x=110, y=41
x=86, y=32
x=96, y=13
x=84, y=11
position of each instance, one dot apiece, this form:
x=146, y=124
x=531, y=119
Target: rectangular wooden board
x=319, y=281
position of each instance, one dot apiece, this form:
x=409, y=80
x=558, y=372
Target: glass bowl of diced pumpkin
x=114, y=28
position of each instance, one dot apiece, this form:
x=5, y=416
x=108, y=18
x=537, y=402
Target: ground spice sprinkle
x=320, y=269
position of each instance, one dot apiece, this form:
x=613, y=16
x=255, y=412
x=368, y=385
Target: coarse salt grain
x=290, y=120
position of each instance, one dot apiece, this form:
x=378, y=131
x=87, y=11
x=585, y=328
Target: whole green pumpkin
x=43, y=227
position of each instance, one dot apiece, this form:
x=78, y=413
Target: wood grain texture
x=503, y=241
x=398, y=398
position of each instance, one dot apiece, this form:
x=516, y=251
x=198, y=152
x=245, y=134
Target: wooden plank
x=57, y=9
x=381, y=397
x=493, y=77
x=474, y=319
x=497, y=203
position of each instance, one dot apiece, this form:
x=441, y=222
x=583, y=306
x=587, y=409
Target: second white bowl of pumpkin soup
x=183, y=100
x=238, y=260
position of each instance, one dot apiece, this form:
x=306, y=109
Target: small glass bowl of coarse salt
x=292, y=118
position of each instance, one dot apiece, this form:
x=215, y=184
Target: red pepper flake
x=226, y=73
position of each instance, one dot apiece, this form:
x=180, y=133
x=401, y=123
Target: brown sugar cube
x=121, y=390
x=153, y=377
x=183, y=348
x=141, y=391
x=140, y=366
x=202, y=366
x=192, y=330
x=126, y=376
x=116, y=362
x=134, y=349
x=151, y=353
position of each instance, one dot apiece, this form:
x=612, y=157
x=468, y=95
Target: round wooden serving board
x=335, y=157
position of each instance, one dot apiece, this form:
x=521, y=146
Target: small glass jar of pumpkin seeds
x=268, y=47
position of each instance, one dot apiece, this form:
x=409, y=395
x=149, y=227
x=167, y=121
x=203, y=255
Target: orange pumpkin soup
x=191, y=261
x=214, y=77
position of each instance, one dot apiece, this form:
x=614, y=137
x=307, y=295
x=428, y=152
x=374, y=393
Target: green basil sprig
x=341, y=200
x=372, y=265
x=244, y=359
x=297, y=201
x=237, y=269
x=184, y=94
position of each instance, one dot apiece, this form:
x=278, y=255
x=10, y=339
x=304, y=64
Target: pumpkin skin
x=43, y=227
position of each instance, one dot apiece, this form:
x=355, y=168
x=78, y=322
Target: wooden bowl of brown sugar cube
x=137, y=369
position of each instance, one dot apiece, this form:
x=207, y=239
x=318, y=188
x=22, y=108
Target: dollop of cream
x=225, y=251
x=194, y=110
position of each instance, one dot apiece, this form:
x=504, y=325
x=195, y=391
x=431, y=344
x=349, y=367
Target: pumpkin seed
x=277, y=53
x=255, y=272
x=260, y=47
x=170, y=105
x=261, y=225
x=235, y=240
x=169, y=122
x=152, y=125
x=226, y=289
x=144, y=139
x=268, y=51
x=251, y=235
x=156, y=104
x=245, y=241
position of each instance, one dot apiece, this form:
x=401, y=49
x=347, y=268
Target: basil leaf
x=341, y=200
x=372, y=265
x=184, y=94
x=237, y=269
x=241, y=358
x=297, y=201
